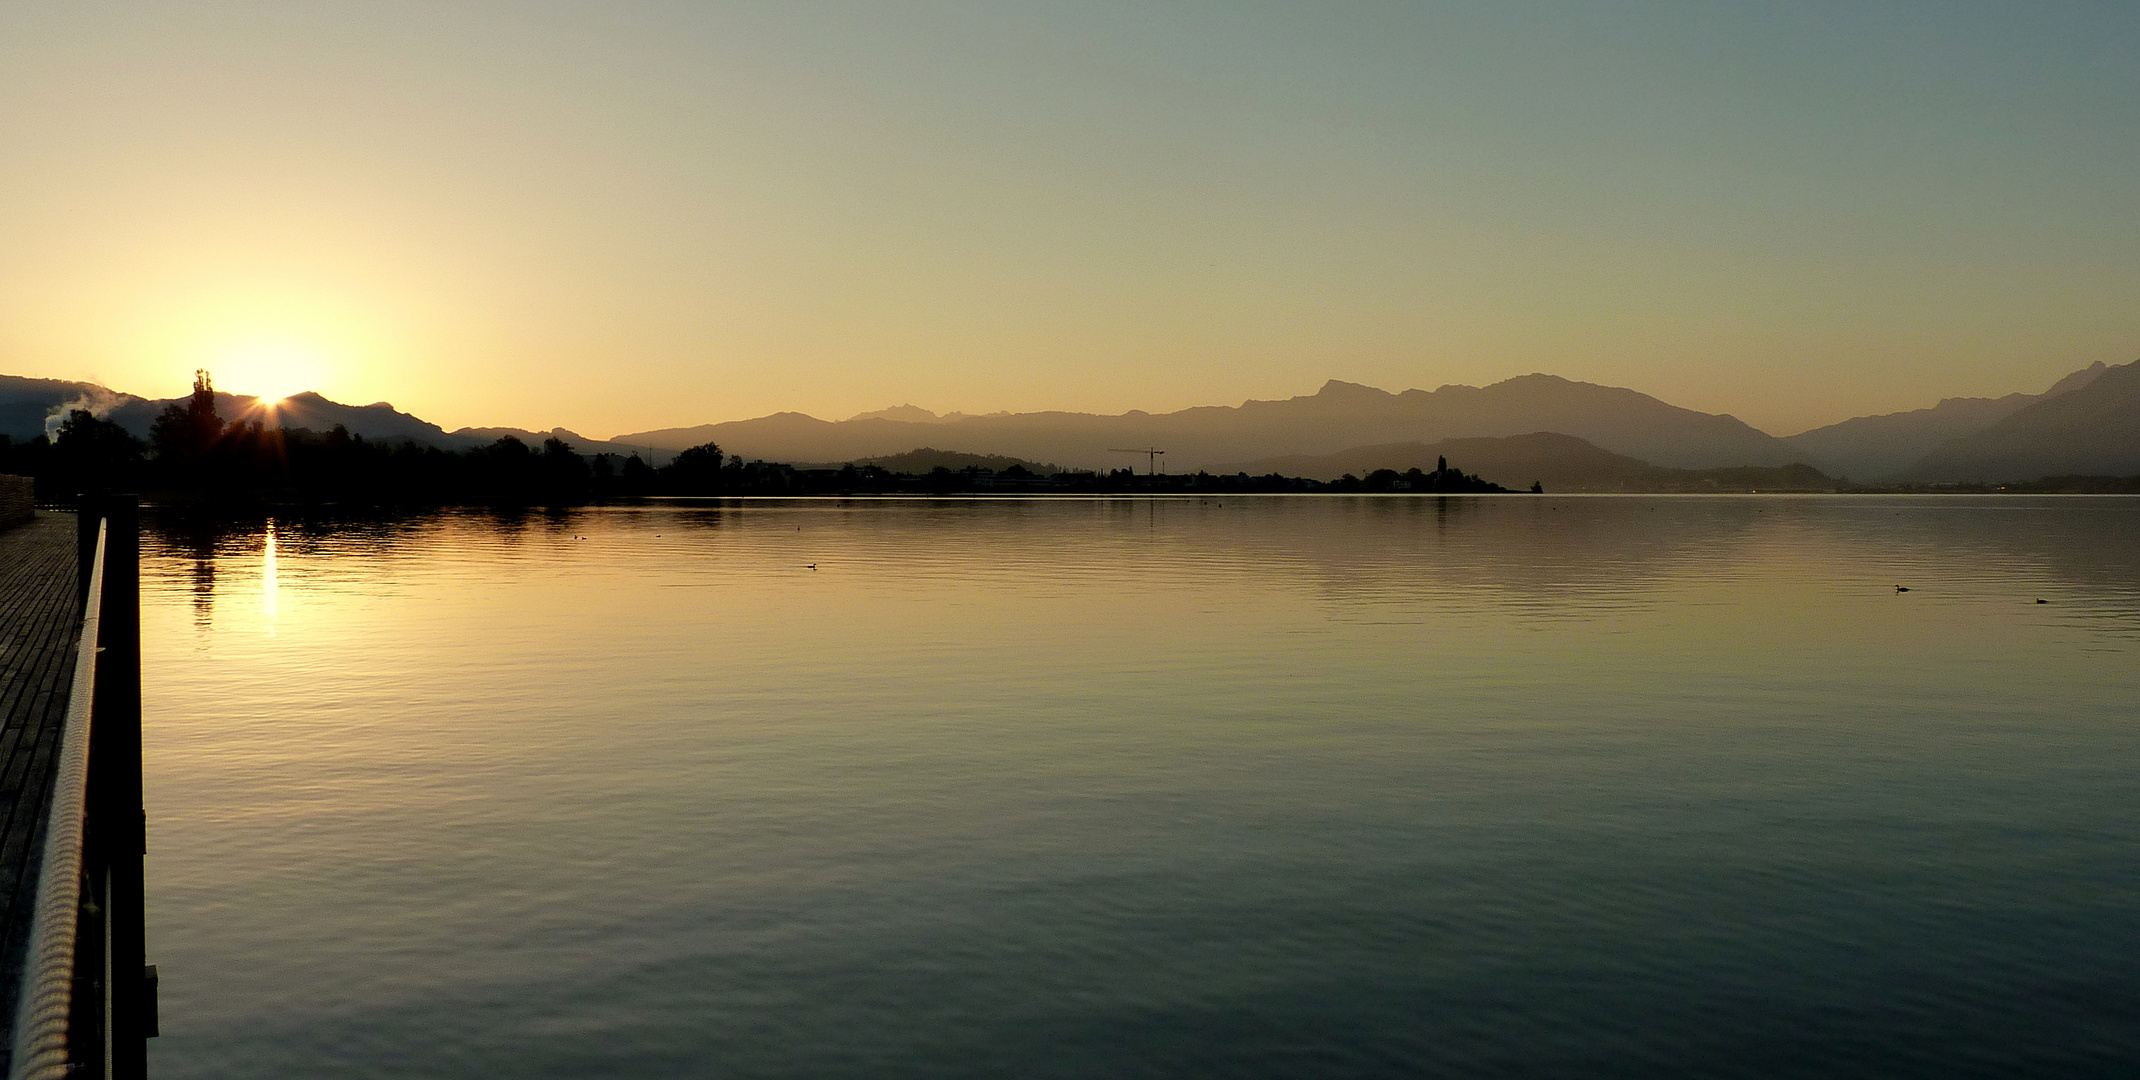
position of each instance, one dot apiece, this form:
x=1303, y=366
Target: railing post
x=117, y=820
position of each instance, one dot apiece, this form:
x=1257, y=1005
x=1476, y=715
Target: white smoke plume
x=99, y=402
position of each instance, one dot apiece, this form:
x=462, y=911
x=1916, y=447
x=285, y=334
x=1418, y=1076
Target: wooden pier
x=39, y=624
x=78, y=998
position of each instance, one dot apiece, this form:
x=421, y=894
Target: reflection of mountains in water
x=1555, y=555
x=1552, y=557
x=1571, y=556
x=2080, y=544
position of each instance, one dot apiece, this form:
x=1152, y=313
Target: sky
x=624, y=215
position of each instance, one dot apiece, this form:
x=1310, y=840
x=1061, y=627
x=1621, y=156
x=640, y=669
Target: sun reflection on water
x=267, y=579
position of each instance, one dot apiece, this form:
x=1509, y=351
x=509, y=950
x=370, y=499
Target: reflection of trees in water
x=199, y=539
x=204, y=536
x=197, y=547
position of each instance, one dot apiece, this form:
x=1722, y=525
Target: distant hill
x=1562, y=463
x=29, y=406
x=1338, y=416
x=926, y=459
x=580, y=444
x=1885, y=447
x=915, y=414
x=377, y=421
x=2093, y=430
x=912, y=414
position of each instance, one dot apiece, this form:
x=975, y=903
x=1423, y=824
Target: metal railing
x=78, y=1012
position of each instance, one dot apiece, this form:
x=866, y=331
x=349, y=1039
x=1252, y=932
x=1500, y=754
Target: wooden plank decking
x=39, y=624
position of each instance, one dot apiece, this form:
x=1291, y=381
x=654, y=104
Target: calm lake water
x=1253, y=787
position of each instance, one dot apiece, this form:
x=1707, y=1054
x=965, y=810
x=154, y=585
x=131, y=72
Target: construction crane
x=1151, y=456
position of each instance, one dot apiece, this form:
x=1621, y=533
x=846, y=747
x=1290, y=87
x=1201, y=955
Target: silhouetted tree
x=91, y=455
x=696, y=471
x=942, y=479
x=186, y=432
x=32, y=457
x=564, y=473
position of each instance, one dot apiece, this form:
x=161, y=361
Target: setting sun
x=270, y=369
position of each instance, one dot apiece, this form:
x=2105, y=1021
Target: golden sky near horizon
x=615, y=217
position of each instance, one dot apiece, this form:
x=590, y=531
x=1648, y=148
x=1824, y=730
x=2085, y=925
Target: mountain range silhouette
x=1572, y=435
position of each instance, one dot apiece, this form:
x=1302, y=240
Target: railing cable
x=47, y=997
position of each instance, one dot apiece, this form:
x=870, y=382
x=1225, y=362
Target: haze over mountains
x=1339, y=416
x=1572, y=435
x=1892, y=445
x=2031, y=441
x=2091, y=429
